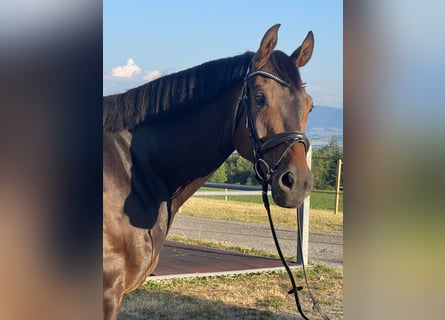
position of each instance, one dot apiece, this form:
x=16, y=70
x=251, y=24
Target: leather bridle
x=261, y=146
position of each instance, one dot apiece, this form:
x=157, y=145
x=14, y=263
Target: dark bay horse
x=164, y=139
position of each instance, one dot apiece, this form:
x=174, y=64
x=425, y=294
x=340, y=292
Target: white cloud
x=152, y=75
x=127, y=71
x=123, y=78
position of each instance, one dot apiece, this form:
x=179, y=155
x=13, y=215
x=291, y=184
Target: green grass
x=320, y=200
x=325, y=201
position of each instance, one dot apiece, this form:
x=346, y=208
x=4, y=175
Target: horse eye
x=260, y=99
x=312, y=108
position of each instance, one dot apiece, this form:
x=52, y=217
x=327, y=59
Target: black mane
x=186, y=88
x=174, y=91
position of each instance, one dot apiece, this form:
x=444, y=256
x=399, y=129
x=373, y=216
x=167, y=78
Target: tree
x=324, y=165
x=238, y=170
x=220, y=175
x=333, y=147
x=235, y=170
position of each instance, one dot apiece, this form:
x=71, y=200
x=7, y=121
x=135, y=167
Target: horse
x=164, y=139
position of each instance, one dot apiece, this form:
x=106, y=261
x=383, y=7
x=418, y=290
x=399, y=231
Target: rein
x=295, y=288
x=259, y=148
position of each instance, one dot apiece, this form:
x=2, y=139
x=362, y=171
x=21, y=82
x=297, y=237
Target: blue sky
x=144, y=39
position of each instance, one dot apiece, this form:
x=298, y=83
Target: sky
x=143, y=39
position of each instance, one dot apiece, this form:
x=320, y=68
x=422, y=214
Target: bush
x=236, y=170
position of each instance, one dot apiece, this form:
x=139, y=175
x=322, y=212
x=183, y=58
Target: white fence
x=229, y=190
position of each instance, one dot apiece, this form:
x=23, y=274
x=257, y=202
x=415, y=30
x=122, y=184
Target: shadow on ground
x=143, y=305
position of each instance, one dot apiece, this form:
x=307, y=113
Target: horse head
x=277, y=108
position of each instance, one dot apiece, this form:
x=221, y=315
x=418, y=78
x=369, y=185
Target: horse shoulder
x=130, y=253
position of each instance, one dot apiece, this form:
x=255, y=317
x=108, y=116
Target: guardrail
x=235, y=190
x=232, y=186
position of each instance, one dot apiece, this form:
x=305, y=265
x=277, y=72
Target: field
x=320, y=200
x=253, y=211
x=325, y=201
x=252, y=296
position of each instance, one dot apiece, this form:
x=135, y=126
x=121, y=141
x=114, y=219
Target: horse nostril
x=288, y=180
x=308, y=184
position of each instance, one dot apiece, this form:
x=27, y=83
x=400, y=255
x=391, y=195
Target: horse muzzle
x=291, y=180
x=290, y=188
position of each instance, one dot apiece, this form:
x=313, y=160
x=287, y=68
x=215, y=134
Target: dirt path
x=326, y=248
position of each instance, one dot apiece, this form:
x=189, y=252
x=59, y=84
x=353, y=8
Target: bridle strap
x=280, y=138
x=295, y=288
x=259, y=148
x=267, y=75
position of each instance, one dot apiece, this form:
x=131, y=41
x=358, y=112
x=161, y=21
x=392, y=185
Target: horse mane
x=186, y=88
x=172, y=92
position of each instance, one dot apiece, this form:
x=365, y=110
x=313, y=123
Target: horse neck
x=193, y=146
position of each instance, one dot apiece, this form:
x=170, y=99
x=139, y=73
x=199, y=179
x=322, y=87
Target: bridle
x=259, y=148
x=262, y=146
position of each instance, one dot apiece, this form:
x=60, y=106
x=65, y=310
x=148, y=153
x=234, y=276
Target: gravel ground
x=326, y=248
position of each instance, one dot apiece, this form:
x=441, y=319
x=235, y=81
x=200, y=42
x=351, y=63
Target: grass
x=325, y=201
x=320, y=200
x=253, y=296
x=320, y=220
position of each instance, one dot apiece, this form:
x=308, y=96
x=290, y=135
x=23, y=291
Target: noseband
x=261, y=146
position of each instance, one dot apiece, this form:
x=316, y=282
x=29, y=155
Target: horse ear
x=302, y=55
x=266, y=48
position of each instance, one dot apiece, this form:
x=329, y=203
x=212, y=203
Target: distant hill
x=325, y=122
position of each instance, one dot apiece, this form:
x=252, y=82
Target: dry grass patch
x=254, y=296
x=320, y=220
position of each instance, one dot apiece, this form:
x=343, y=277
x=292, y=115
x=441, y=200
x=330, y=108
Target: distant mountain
x=324, y=123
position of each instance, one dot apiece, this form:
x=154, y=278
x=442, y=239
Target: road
x=326, y=248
